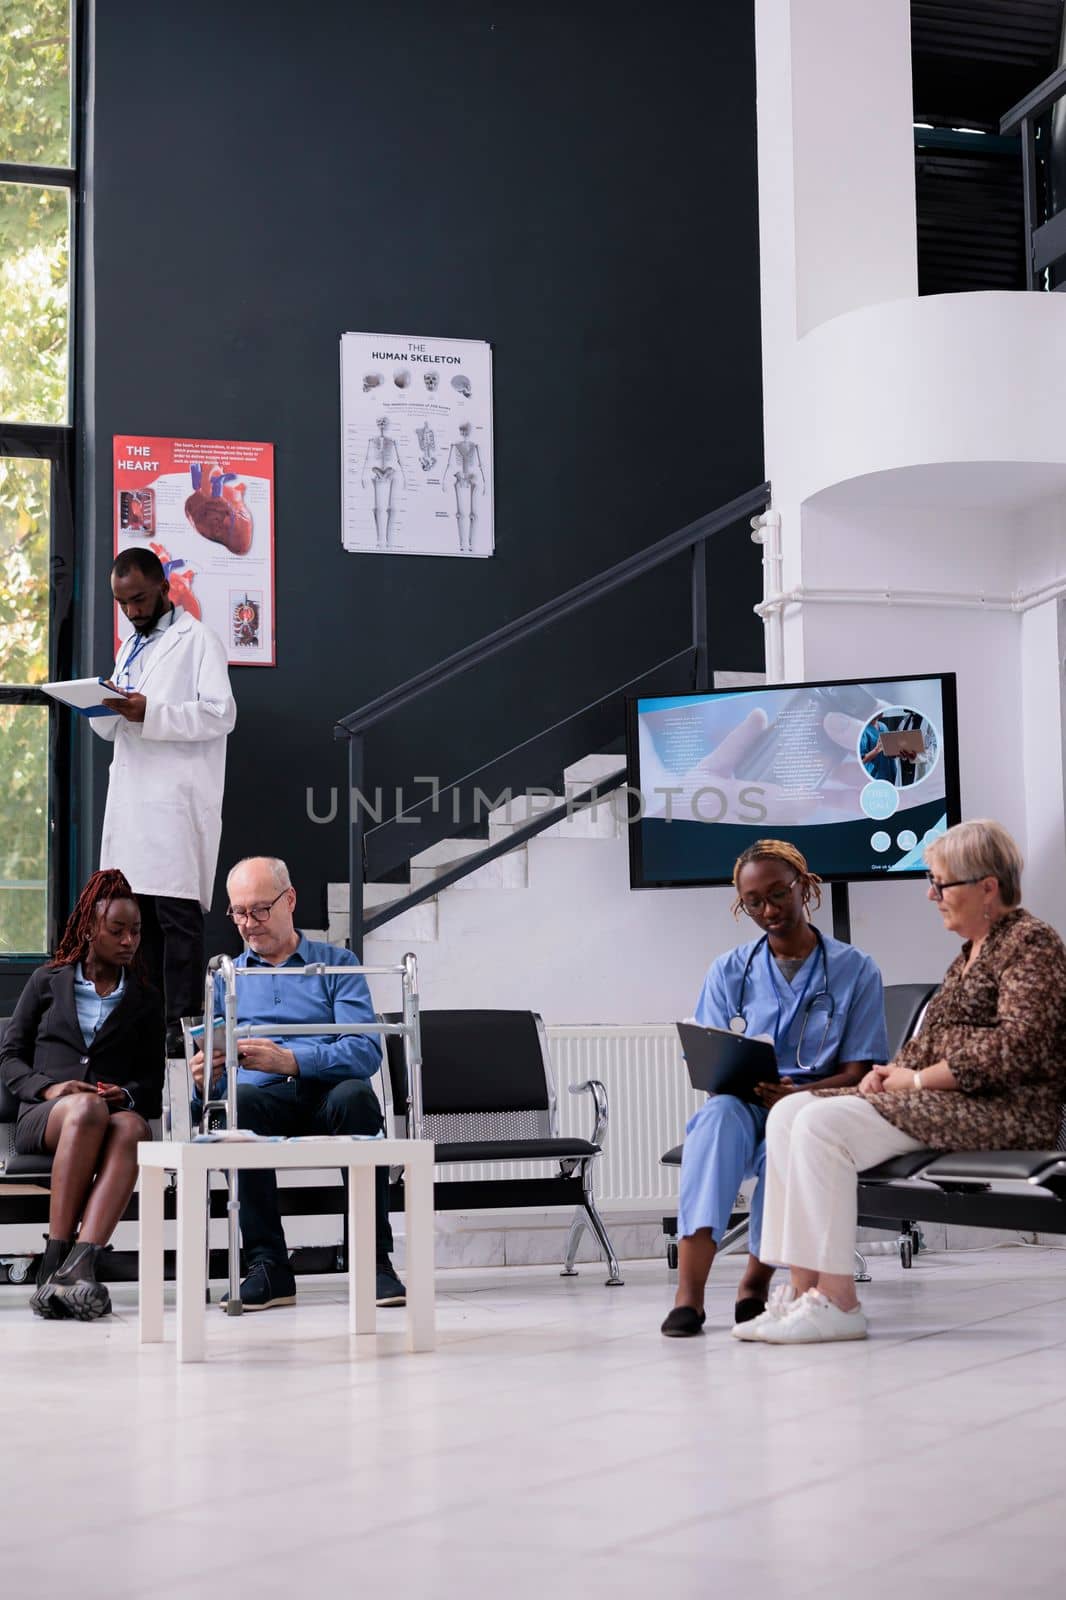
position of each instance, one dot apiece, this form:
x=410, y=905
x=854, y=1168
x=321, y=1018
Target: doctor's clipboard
x=721, y=1062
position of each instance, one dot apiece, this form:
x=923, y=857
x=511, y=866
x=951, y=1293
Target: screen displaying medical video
x=861, y=776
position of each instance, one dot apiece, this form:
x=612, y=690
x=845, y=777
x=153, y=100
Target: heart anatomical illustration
x=180, y=582
x=217, y=510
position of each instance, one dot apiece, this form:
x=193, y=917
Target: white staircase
x=420, y=926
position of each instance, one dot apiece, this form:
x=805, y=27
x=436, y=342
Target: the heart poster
x=206, y=507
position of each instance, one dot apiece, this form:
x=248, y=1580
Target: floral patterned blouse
x=1001, y=1028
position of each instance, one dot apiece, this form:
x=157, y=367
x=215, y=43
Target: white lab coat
x=163, y=820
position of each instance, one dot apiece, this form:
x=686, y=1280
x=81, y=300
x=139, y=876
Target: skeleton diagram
x=382, y=468
x=468, y=476
x=427, y=444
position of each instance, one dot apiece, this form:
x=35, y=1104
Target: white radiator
x=650, y=1100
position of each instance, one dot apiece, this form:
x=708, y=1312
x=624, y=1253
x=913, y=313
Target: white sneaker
x=815, y=1320
x=781, y=1302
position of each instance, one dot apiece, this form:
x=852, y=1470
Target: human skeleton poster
x=416, y=445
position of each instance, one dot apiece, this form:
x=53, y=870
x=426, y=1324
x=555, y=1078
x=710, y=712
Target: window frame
x=55, y=443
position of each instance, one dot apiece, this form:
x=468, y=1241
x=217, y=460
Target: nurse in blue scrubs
x=822, y=1004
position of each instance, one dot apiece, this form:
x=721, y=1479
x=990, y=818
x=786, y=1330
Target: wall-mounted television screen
x=861, y=775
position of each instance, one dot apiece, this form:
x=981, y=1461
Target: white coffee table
x=193, y=1162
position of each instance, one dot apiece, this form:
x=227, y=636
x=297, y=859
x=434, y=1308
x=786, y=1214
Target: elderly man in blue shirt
x=300, y=1084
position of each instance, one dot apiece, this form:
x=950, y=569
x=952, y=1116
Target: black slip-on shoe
x=390, y=1291
x=684, y=1322
x=748, y=1309
x=42, y=1302
x=75, y=1288
x=268, y=1284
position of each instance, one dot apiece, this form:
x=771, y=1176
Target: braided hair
x=101, y=888
x=779, y=850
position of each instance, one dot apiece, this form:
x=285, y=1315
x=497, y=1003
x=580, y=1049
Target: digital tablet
x=722, y=1062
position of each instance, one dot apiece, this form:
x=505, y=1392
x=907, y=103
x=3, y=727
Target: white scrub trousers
x=814, y=1150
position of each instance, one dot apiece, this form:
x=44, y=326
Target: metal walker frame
x=408, y=1028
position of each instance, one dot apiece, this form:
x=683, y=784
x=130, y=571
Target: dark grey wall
x=574, y=182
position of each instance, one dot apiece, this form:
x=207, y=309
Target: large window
x=38, y=196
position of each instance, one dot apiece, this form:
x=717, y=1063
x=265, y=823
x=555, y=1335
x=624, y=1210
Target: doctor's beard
x=161, y=608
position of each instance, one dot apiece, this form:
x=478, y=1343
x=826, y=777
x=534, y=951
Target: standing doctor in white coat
x=163, y=820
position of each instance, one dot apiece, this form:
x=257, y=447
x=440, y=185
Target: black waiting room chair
x=488, y=1095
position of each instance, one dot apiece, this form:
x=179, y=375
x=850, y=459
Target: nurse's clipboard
x=722, y=1062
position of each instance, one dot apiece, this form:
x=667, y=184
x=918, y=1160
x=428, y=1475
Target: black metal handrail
x=1036, y=102
x=1045, y=242
x=563, y=605
x=354, y=726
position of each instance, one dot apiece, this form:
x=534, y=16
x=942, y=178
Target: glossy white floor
x=553, y=1443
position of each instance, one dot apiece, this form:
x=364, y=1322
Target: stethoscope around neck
x=738, y=1023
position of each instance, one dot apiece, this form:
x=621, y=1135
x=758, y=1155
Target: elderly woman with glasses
x=986, y=1072
x=822, y=1005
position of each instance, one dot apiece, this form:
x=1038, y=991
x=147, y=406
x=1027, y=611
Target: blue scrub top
x=772, y=1006
x=880, y=765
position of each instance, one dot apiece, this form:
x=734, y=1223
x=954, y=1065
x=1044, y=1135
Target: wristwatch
x=917, y=1080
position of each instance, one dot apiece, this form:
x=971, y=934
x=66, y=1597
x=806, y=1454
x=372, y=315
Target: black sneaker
x=390, y=1291
x=75, y=1289
x=268, y=1284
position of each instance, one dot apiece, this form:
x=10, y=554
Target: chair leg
x=577, y=1228
x=595, y=1221
x=862, y=1273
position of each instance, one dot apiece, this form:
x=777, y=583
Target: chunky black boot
x=42, y=1303
x=75, y=1288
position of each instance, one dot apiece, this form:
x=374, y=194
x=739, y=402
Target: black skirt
x=29, y=1130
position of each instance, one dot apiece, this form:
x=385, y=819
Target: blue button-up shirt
x=93, y=1008
x=329, y=1058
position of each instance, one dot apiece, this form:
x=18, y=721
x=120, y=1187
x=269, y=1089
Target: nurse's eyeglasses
x=776, y=897
x=258, y=913
x=956, y=883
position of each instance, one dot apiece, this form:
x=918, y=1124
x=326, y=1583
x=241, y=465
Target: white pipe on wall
x=766, y=530
x=1022, y=600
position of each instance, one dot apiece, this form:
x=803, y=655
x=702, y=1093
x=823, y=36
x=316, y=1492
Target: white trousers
x=814, y=1149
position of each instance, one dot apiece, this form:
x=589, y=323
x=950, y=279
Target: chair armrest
x=598, y=1091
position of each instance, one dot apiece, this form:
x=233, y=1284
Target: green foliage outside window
x=24, y=552
x=34, y=339
x=35, y=82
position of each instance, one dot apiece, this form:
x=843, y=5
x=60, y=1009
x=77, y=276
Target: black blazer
x=43, y=1042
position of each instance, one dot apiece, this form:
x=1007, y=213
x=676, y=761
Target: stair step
x=446, y=852
x=417, y=926
x=589, y=771
x=595, y=822
x=522, y=808
x=506, y=872
x=374, y=894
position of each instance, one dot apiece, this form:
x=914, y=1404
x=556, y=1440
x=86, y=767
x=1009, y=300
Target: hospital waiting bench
x=1018, y=1190
x=487, y=1099
x=25, y=1185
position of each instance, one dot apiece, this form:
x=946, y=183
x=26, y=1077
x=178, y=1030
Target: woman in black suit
x=83, y=1052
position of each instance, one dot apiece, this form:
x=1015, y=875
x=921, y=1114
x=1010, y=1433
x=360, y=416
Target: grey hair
x=981, y=849
x=278, y=870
